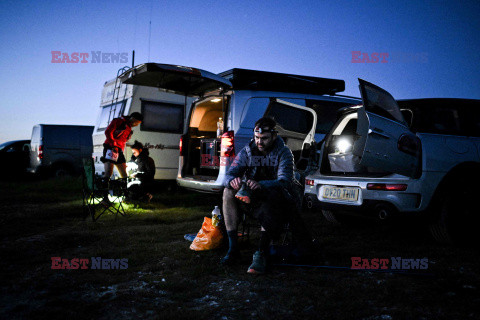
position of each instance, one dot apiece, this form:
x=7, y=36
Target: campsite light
x=343, y=145
x=131, y=167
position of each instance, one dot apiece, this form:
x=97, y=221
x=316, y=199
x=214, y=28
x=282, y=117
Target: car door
x=296, y=125
x=385, y=140
x=177, y=79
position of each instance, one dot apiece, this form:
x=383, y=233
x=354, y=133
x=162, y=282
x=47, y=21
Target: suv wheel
x=456, y=221
x=61, y=171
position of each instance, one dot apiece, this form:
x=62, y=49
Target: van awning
x=178, y=79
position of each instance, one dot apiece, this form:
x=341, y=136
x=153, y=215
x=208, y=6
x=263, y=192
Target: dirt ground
x=164, y=279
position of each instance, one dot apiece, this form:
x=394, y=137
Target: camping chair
x=94, y=190
x=293, y=243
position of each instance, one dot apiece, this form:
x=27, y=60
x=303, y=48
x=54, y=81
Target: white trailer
x=164, y=122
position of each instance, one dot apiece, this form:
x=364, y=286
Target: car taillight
x=40, y=152
x=180, y=146
x=227, y=148
x=309, y=182
x=386, y=187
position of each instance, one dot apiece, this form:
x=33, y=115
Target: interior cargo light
x=386, y=187
x=309, y=182
x=227, y=145
x=216, y=100
x=343, y=146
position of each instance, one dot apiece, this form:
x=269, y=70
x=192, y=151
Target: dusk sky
x=432, y=48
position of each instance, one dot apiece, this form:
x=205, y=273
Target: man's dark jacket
x=146, y=166
x=279, y=162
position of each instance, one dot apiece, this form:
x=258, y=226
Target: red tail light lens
x=227, y=148
x=180, y=146
x=386, y=187
x=40, y=152
x=309, y=182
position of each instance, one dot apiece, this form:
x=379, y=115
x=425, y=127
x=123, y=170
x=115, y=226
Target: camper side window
x=109, y=113
x=162, y=117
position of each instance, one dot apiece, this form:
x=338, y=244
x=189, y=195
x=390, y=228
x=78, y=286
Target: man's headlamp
x=264, y=130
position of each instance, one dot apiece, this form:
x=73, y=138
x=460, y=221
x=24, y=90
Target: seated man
x=261, y=177
x=144, y=172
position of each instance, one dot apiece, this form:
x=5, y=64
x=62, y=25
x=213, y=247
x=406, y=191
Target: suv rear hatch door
x=385, y=141
x=177, y=79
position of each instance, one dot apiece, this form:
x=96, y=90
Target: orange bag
x=209, y=237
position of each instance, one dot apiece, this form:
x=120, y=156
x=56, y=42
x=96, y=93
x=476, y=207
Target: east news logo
x=394, y=263
x=94, y=263
x=94, y=56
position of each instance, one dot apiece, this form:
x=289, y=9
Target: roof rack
x=245, y=79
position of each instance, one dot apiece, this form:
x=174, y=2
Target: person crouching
x=140, y=187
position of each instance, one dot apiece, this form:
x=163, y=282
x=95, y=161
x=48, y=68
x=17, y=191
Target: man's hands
x=252, y=184
x=237, y=183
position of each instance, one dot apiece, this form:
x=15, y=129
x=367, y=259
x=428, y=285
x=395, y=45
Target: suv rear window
x=440, y=117
x=327, y=113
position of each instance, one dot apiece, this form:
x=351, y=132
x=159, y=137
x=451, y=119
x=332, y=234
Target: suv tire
x=456, y=221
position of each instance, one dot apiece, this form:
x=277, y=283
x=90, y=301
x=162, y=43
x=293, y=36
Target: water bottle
x=216, y=216
x=219, y=127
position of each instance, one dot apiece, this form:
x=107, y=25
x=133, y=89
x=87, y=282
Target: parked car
x=221, y=119
x=14, y=157
x=58, y=149
x=163, y=124
x=374, y=162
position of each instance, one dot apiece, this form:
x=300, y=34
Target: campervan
x=163, y=123
x=221, y=119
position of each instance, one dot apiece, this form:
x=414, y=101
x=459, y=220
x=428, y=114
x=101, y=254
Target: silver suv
x=390, y=157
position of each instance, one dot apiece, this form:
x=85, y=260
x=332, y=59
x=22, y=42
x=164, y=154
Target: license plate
x=337, y=193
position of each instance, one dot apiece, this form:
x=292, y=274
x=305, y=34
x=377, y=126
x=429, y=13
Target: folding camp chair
x=94, y=192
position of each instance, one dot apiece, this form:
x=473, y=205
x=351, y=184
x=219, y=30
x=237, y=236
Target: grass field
x=166, y=280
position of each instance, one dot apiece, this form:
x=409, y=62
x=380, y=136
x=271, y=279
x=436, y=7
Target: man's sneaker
x=259, y=263
x=230, y=258
x=244, y=194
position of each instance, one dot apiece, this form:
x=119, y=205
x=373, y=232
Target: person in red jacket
x=118, y=133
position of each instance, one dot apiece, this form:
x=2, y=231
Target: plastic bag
x=209, y=237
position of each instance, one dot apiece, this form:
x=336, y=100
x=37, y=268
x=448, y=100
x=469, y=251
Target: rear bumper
x=410, y=200
x=201, y=184
x=369, y=208
x=210, y=186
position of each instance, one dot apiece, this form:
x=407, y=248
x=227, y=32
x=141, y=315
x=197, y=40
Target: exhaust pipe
x=383, y=212
x=309, y=203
